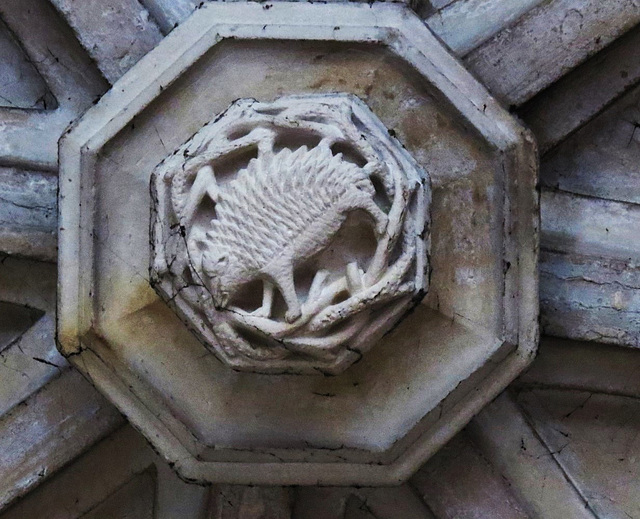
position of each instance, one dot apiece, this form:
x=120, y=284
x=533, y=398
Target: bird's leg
x=366, y=203
x=354, y=278
x=282, y=276
x=266, y=139
x=267, y=300
x=204, y=184
x=316, y=285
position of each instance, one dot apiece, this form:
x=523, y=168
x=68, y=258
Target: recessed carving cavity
x=291, y=235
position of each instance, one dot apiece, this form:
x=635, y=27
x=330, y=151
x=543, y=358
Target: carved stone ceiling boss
x=275, y=195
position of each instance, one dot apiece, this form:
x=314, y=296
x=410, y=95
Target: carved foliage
x=290, y=235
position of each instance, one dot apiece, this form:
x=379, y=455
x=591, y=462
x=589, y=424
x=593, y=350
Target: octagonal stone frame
x=399, y=30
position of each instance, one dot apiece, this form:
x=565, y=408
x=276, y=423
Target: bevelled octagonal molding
x=260, y=201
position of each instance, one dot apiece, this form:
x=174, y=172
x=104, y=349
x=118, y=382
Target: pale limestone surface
x=571, y=423
x=459, y=481
x=30, y=137
x=48, y=413
x=464, y=25
x=119, y=477
x=591, y=220
x=121, y=32
x=584, y=93
x=28, y=212
x=485, y=472
x=517, y=452
x=549, y=40
x=380, y=419
x=20, y=85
